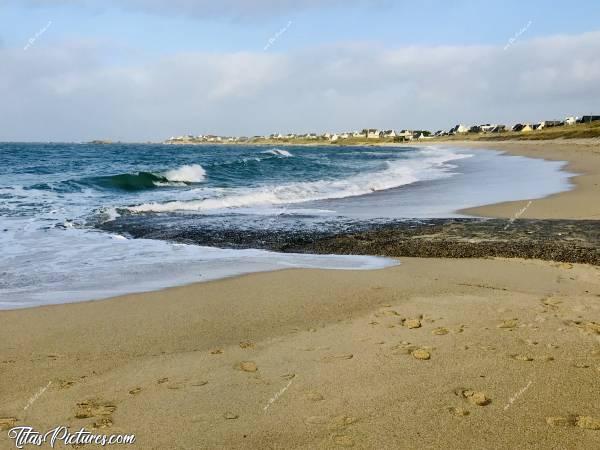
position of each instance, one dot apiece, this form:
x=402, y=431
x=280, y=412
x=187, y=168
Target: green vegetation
x=578, y=131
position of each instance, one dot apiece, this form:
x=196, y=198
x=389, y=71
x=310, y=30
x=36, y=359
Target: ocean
x=60, y=205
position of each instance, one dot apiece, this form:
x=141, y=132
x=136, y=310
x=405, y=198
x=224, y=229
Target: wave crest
x=278, y=152
x=193, y=173
x=398, y=173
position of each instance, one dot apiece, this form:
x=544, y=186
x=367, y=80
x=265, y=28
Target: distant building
x=517, y=127
x=371, y=133
x=550, y=124
x=589, y=119
x=388, y=134
x=408, y=135
x=571, y=120
x=527, y=128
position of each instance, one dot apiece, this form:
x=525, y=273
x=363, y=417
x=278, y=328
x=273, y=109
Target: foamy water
x=53, y=196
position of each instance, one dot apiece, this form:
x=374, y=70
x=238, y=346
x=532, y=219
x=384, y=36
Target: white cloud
x=69, y=93
x=235, y=9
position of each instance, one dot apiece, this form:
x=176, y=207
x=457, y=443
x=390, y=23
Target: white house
x=371, y=133
x=406, y=134
x=389, y=134
x=462, y=129
x=571, y=120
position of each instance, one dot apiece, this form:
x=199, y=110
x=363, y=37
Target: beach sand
x=434, y=353
x=583, y=202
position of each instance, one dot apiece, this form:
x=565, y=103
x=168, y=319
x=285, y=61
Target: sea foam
x=433, y=165
x=193, y=173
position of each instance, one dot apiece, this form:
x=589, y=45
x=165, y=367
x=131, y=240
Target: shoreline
x=580, y=203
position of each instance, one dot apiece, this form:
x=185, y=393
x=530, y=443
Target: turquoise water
x=54, y=197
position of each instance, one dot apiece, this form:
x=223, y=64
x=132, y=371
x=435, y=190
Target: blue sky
x=133, y=46
x=387, y=23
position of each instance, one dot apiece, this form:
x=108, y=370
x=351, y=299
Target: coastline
x=580, y=203
x=510, y=348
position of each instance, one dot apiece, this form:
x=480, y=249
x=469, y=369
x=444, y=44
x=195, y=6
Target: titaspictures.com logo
x=24, y=435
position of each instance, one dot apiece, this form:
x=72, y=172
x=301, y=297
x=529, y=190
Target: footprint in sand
x=412, y=323
x=217, y=351
x=441, y=331
x=199, y=383
x=98, y=409
x=314, y=396
x=581, y=365
x=404, y=348
x=342, y=440
x=341, y=422
x=522, y=358
x=246, y=366
x=476, y=398
x=135, y=391
x=246, y=344
x=340, y=357
x=422, y=354
x=458, y=412
x=162, y=380
x=6, y=423
x=592, y=328
x=509, y=324
x=585, y=422
x=588, y=423
x=103, y=422
x=230, y=416
x=65, y=384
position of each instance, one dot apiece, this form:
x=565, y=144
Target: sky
x=146, y=70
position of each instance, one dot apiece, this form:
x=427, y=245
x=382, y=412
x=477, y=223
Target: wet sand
x=582, y=202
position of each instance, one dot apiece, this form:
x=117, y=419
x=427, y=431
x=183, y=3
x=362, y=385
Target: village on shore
x=373, y=134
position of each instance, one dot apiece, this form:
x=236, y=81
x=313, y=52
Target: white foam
x=43, y=267
x=278, y=152
x=430, y=165
x=194, y=173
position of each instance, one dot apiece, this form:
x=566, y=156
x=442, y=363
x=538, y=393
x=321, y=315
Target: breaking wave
x=184, y=175
x=278, y=152
x=397, y=173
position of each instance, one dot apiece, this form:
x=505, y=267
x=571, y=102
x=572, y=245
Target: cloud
x=231, y=9
x=70, y=93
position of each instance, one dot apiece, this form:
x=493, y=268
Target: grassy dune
x=578, y=131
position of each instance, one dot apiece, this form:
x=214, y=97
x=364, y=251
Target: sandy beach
x=434, y=353
x=583, y=157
